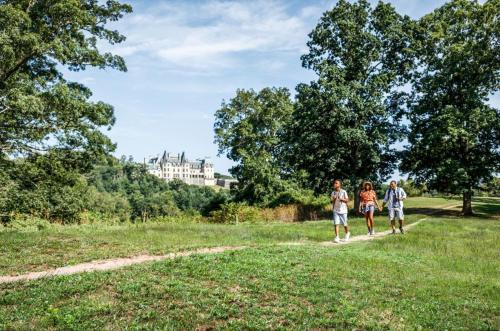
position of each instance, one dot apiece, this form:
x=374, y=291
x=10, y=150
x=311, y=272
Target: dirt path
x=111, y=264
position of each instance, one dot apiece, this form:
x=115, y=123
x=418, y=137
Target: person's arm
x=332, y=198
x=403, y=194
x=376, y=203
x=344, y=200
x=386, y=198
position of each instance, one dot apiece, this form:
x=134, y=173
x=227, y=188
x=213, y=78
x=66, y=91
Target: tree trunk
x=356, y=201
x=357, y=190
x=467, y=203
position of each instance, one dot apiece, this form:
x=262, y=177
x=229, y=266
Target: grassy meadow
x=57, y=246
x=441, y=275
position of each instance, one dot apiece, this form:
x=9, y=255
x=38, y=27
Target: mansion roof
x=178, y=159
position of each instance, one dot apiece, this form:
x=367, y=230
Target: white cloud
x=215, y=35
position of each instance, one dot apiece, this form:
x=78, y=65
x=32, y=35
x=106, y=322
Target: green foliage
x=39, y=109
x=411, y=188
x=491, y=188
x=454, y=134
x=345, y=122
x=234, y=213
x=49, y=123
x=46, y=185
x=107, y=206
x=249, y=129
x=152, y=197
x=297, y=196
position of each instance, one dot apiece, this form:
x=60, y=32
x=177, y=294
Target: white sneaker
x=369, y=233
x=347, y=235
x=336, y=240
x=373, y=232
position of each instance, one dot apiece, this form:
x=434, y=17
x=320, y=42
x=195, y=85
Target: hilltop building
x=177, y=166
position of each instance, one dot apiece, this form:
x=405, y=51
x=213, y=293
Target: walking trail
x=111, y=264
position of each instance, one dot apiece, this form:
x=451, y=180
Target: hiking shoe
x=402, y=231
x=336, y=240
x=347, y=235
x=393, y=231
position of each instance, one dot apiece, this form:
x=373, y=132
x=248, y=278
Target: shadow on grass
x=492, y=200
x=485, y=211
x=488, y=211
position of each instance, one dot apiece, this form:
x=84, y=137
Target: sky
x=185, y=57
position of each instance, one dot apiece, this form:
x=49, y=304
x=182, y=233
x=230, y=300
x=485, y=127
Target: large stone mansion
x=176, y=166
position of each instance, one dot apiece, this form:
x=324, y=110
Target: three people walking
x=393, y=199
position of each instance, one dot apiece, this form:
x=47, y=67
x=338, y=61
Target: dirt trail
x=110, y=264
x=102, y=265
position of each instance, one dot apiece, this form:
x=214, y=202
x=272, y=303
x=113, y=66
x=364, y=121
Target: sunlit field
x=443, y=274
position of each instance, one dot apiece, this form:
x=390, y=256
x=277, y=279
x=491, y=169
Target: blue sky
x=185, y=57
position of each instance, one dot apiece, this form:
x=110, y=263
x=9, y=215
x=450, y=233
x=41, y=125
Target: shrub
x=26, y=223
x=234, y=213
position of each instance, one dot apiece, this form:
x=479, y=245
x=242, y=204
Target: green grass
x=34, y=251
x=442, y=275
x=25, y=251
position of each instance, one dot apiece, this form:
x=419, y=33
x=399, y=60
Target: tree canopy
x=249, y=129
x=454, y=133
x=39, y=108
x=345, y=122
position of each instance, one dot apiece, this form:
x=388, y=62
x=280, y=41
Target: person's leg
x=343, y=220
x=392, y=220
x=370, y=218
x=336, y=222
x=401, y=218
x=367, y=218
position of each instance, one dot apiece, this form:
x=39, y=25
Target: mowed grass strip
x=57, y=246
x=443, y=276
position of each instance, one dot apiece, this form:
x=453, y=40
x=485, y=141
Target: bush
x=294, y=196
x=25, y=223
x=183, y=217
x=234, y=213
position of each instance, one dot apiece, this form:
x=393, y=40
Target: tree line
x=382, y=78
x=112, y=191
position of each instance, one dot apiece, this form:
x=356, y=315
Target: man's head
x=393, y=184
x=337, y=183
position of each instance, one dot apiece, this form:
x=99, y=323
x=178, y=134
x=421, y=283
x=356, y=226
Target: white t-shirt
x=339, y=206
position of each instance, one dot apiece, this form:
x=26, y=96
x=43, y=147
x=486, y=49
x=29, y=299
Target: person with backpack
x=393, y=198
x=339, y=200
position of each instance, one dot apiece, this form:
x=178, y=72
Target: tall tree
x=346, y=121
x=39, y=109
x=249, y=130
x=454, y=133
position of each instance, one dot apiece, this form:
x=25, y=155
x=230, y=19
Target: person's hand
x=380, y=208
